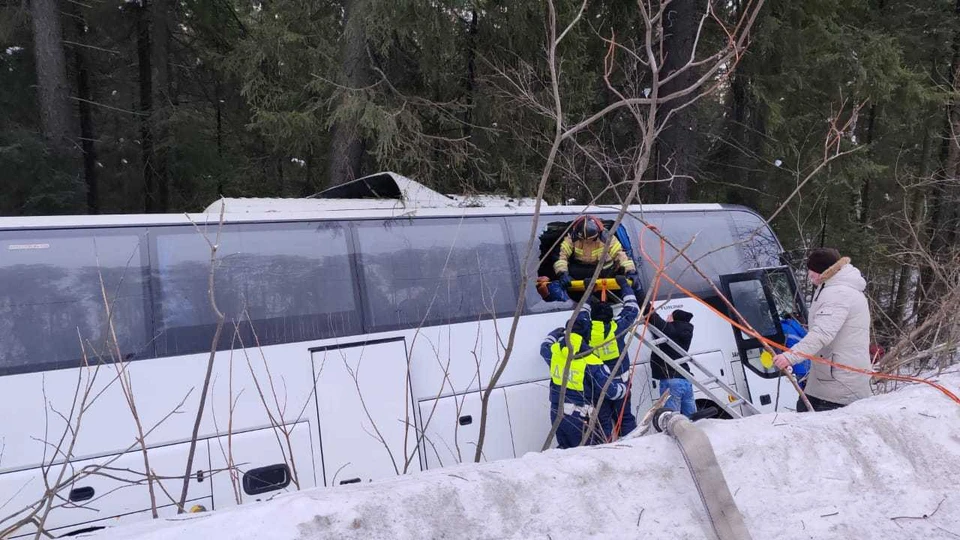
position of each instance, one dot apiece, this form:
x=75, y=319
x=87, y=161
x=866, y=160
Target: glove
x=622, y=283
x=564, y=279
x=543, y=283
x=635, y=280
x=556, y=293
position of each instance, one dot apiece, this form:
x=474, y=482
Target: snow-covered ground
x=887, y=467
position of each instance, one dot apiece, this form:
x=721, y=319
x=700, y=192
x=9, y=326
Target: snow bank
x=871, y=470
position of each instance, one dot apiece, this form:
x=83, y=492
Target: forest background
x=136, y=106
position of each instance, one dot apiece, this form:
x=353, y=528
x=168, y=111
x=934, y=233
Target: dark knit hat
x=681, y=315
x=822, y=258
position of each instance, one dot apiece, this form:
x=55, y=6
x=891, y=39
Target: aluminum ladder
x=655, y=337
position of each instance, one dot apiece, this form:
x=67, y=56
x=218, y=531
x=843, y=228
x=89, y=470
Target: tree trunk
x=864, y=217
x=952, y=164
x=824, y=220
x=346, y=146
x=677, y=144
x=916, y=219
x=163, y=12
x=152, y=202
x=739, y=151
x=940, y=224
x=308, y=187
x=53, y=90
x=280, y=177
x=219, y=105
x=740, y=168
x=87, y=133
x=470, y=81
x=903, y=285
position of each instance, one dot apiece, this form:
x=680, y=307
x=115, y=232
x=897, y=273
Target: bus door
x=764, y=297
x=366, y=420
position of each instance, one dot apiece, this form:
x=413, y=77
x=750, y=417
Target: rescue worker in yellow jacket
x=585, y=245
x=586, y=376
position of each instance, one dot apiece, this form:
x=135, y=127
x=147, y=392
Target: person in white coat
x=839, y=331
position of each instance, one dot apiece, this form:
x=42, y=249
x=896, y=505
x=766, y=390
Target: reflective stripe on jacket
x=619, y=326
x=586, y=376
x=589, y=252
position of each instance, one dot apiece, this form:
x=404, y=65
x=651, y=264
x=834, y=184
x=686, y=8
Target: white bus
x=361, y=327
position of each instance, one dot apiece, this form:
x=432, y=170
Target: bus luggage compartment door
x=90, y=527
x=257, y=465
x=110, y=487
x=518, y=421
x=365, y=411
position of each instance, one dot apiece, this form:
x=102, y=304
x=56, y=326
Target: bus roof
x=127, y=220
x=383, y=195
x=381, y=191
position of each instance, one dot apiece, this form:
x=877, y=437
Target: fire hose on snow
x=725, y=516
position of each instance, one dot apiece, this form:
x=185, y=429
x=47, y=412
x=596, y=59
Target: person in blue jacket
x=608, y=342
x=793, y=332
x=585, y=379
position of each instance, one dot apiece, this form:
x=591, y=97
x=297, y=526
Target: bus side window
x=785, y=296
x=758, y=245
x=706, y=237
x=50, y=287
x=750, y=300
x=426, y=272
x=292, y=280
x=519, y=235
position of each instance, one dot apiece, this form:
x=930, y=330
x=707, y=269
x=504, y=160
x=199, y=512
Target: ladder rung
x=660, y=338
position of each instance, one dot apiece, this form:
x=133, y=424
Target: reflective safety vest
x=604, y=346
x=560, y=356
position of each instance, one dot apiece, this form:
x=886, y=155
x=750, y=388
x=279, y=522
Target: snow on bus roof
x=330, y=213
x=382, y=195
x=381, y=191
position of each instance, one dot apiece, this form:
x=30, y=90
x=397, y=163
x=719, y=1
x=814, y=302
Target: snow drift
x=886, y=467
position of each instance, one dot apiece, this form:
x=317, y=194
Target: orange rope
x=775, y=345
